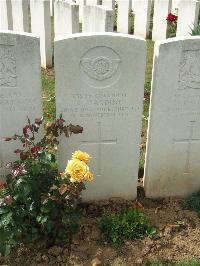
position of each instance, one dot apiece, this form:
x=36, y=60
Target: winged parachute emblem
x=100, y=68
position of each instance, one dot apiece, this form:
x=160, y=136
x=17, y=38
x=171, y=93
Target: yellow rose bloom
x=88, y=176
x=77, y=169
x=83, y=156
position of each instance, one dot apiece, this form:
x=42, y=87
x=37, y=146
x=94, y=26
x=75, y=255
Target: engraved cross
x=99, y=142
x=189, y=142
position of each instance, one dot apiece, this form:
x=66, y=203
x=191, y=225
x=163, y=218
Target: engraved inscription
x=99, y=142
x=100, y=67
x=189, y=141
x=100, y=105
x=187, y=103
x=17, y=101
x=189, y=76
x=8, y=77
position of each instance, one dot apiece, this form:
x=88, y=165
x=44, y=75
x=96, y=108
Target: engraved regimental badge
x=189, y=76
x=100, y=67
x=8, y=76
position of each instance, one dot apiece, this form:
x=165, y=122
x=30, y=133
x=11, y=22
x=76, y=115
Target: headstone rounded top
x=20, y=33
x=95, y=34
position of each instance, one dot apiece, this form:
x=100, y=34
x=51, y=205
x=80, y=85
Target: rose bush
x=35, y=200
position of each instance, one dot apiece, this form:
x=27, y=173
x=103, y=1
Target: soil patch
x=177, y=238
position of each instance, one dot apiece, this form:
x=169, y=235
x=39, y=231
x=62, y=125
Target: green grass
x=147, y=91
x=127, y=224
x=193, y=202
x=48, y=95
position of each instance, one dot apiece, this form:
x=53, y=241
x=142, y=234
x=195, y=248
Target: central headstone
x=99, y=85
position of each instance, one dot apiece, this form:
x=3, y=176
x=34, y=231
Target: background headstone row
x=144, y=18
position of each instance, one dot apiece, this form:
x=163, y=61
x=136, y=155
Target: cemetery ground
x=176, y=241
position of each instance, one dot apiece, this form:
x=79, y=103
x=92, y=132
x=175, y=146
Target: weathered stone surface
x=101, y=88
x=172, y=160
x=20, y=88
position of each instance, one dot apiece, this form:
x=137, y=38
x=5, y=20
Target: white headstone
x=161, y=10
x=142, y=10
x=187, y=17
x=97, y=19
x=92, y=2
x=123, y=18
x=175, y=5
x=41, y=25
x=20, y=15
x=20, y=88
x=133, y=5
x=6, y=22
x=81, y=3
x=101, y=89
x=66, y=18
x=109, y=3
x=52, y=7
x=172, y=159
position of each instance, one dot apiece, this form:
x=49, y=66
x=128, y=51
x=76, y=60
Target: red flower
x=8, y=200
x=35, y=149
x=3, y=185
x=18, y=170
x=172, y=18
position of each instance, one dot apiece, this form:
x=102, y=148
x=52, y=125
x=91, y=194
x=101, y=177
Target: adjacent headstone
x=97, y=19
x=20, y=89
x=41, y=25
x=66, y=18
x=123, y=18
x=20, y=15
x=109, y=4
x=6, y=22
x=188, y=13
x=173, y=160
x=101, y=89
x=142, y=10
x=161, y=10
